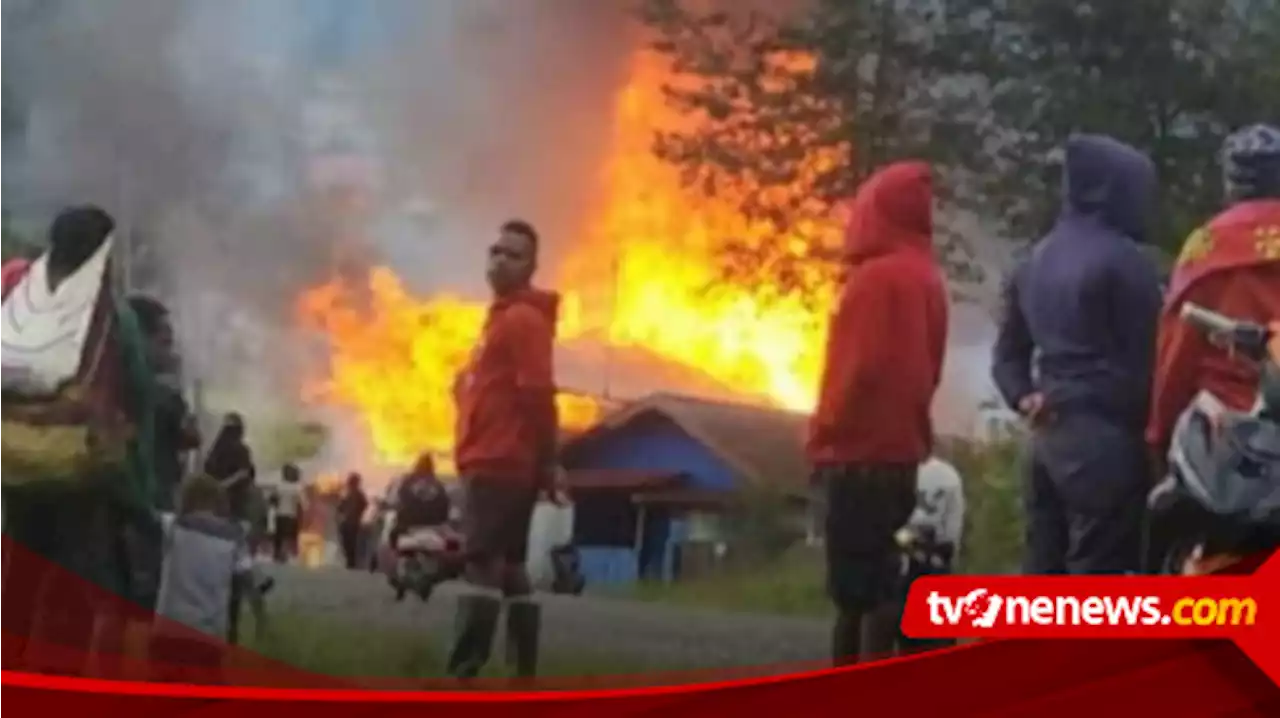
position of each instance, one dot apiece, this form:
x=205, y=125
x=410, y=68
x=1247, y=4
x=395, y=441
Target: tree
x=756, y=132
x=1171, y=77
x=907, y=77
x=788, y=113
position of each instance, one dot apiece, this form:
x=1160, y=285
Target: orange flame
x=651, y=250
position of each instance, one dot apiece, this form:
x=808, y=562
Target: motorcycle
x=1224, y=466
x=421, y=559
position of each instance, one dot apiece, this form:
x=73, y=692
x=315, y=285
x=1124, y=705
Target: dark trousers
x=286, y=538
x=1085, y=497
x=865, y=505
x=349, y=535
x=495, y=520
x=65, y=564
x=233, y=612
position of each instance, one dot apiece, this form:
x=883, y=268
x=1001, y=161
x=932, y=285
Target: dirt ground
x=648, y=633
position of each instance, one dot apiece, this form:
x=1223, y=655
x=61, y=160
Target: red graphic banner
x=47, y=671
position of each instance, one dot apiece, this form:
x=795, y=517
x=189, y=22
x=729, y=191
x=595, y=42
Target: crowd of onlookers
x=1091, y=353
x=102, y=510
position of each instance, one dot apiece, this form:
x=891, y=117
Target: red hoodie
x=506, y=394
x=888, y=335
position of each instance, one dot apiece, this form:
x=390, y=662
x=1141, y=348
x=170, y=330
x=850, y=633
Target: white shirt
x=290, y=499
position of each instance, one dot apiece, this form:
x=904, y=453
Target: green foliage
x=988, y=90
x=993, y=505
x=761, y=525
x=792, y=584
x=1172, y=77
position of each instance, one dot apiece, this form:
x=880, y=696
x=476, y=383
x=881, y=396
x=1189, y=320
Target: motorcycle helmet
x=1251, y=163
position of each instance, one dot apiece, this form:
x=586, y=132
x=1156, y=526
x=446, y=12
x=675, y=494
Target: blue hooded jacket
x=1086, y=302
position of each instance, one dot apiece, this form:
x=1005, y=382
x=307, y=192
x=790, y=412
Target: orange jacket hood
x=546, y=302
x=893, y=210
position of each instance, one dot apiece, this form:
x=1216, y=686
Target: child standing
x=206, y=552
x=290, y=505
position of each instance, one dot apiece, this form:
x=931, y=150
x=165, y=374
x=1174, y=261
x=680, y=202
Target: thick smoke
x=200, y=122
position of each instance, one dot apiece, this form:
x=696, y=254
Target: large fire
x=650, y=250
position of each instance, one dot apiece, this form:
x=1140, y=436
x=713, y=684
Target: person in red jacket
x=1230, y=265
x=872, y=427
x=505, y=451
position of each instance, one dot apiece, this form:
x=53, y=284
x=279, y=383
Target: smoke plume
x=201, y=124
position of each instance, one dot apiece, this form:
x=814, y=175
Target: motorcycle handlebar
x=1208, y=320
x=1245, y=338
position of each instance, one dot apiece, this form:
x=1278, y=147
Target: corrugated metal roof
x=763, y=445
x=620, y=479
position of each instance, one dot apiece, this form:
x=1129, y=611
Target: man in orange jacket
x=505, y=450
x=872, y=428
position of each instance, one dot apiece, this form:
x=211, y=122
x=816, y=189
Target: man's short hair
x=524, y=229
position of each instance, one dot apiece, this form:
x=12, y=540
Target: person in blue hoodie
x=1074, y=357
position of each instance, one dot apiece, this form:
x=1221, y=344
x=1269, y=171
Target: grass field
x=792, y=585
x=329, y=647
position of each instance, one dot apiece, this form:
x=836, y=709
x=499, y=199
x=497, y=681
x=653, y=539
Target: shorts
x=865, y=507
x=496, y=517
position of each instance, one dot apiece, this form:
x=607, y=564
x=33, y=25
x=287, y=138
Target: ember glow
x=649, y=252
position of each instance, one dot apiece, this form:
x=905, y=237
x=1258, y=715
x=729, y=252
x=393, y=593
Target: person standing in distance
x=505, y=451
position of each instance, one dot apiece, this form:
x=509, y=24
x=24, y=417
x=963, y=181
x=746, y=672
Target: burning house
x=642, y=278
x=646, y=309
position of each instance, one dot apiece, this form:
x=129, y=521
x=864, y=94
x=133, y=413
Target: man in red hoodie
x=505, y=450
x=872, y=426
